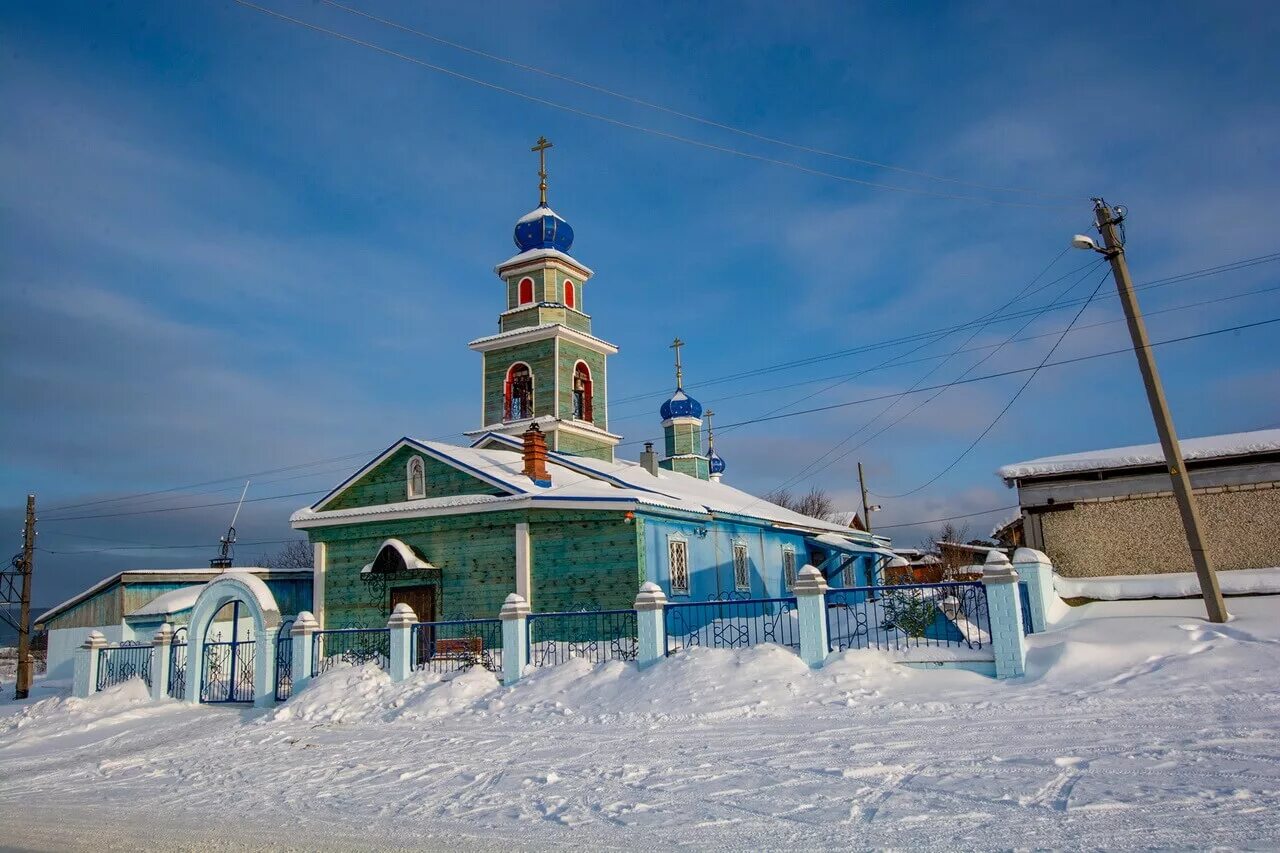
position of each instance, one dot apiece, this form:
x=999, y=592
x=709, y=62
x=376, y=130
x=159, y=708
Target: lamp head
x=1084, y=241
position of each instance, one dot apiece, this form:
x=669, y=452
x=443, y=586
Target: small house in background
x=131, y=605
x=1112, y=512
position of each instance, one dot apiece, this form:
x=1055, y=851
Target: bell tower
x=544, y=365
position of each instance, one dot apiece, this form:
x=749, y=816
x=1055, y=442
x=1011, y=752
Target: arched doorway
x=231, y=647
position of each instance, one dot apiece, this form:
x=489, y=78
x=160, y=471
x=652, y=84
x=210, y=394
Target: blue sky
x=230, y=244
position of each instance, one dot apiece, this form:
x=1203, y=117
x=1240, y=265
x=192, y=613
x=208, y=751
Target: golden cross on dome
x=675, y=345
x=541, y=148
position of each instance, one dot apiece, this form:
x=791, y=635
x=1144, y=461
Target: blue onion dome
x=717, y=464
x=681, y=405
x=543, y=228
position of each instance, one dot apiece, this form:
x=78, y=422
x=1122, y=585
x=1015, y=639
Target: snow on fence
x=118, y=664
x=911, y=616
x=350, y=645
x=457, y=644
x=593, y=635
x=731, y=624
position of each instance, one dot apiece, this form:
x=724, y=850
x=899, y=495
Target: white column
x=264, y=668
x=811, y=604
x=319, y=563
x=651, y=631
x=1005, y=612
x=515, y=637
x=86, y=671
x=1037, y=573
x=401, y=627
x=524, y=563
x=304, y=626
x=161, y=654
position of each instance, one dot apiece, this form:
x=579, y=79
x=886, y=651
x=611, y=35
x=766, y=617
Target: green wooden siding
x=570, y=355
x=540, y=356
x=102, y=608
x=683, y=438
x=578, y=557
x=387, y=482
x=580, y=445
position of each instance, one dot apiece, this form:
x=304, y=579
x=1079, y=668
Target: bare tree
x=295, y=555
x=816, y=503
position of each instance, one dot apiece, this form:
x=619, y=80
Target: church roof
x=681, y=405
x=576, y=481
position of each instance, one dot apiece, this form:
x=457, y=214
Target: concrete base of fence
x=811, y=608
x=86, y=665
x=1005, y=609
x=304, y=627
x=651, y=633
x=515, y=638
x=982, y=667
x=1037, y=573
x=400, y=626
x=161, y=655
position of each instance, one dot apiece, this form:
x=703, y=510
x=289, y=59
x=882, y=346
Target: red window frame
x=524, y=291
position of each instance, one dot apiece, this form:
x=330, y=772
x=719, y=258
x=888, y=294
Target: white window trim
x=738, y=584
x=789, y=578
x=672, y=540
x=408, y=478
x=532, y=286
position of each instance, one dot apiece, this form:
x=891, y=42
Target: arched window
x=518, y=392
x=415, y=473
x=526, y=291
x=582, y=392
x=570, y=294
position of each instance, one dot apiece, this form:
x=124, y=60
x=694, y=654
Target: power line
x=946, y=518
x=689, y=116
x=200, y=546
x=636, y=127
x=193, y=506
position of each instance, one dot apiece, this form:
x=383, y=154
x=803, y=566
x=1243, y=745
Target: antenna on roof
x=223, y=560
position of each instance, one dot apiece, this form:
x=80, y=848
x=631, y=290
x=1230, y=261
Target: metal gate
x=1024, y=594
x=227, y=674
x=178, y=665
x=284, y=661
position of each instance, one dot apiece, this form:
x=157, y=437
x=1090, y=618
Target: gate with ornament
x=232, y=645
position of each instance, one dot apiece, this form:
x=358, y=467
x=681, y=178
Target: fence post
x=1005, y=612
x=400, y=625
x=651, y=629
x=86, y=671
x=264, y=668
x=161, y=655
x=811, y=604
x=304, y=626
x=1037, y=573
x=515, y=638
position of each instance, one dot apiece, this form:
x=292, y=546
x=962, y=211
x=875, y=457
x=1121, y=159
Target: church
x=539, y=502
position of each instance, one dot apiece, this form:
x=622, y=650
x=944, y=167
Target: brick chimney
x=648, y=459
x=535, y=456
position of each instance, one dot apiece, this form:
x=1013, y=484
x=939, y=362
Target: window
x=526, y=291
x=518, y=393
x=416, y=478
x=789, y=567
x=850, y=571
x=678, y=565
x=570, y=294
x=582, y=392
x=741, y=568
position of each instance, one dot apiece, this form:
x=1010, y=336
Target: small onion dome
x=543, y=229
x=681, y=405
x=716, y=463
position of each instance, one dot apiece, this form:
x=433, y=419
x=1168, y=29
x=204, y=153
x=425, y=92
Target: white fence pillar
x=400, y=625
x=86, y=665
x=811, y=607
x=304, y=627
x=161, y=657
x=1036, y=572
x=515, y=637
x=264, y=668
x=651, y=629
x=1005, y=612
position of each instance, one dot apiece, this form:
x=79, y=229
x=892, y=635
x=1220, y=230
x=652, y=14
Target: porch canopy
x=843, y=545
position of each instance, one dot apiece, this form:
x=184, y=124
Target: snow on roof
x=538, y=213
x=1209, y=447
x=539, y=254
x=573, y=478
x=1016, y=515
x=569, y=331
x=174, y=601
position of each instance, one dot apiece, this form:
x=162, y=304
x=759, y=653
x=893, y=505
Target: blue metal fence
x=178, y=665
x=1024, y=596
x=118, y=664
x=594, y=635
x=731, y=624
x=457, y=644
x=350, y=645
x=284, y=661
x=909, y=616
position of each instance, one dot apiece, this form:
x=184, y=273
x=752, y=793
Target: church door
x=421, y=598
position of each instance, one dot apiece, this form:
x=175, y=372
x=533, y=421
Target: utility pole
x=1114, y=252
x=866, y=513
x=23, y=686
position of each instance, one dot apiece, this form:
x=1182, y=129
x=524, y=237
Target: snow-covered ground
x=1140, y=725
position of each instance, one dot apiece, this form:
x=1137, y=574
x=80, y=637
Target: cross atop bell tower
x=541, y=148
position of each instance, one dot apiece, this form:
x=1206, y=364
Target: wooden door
x=421, y=598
